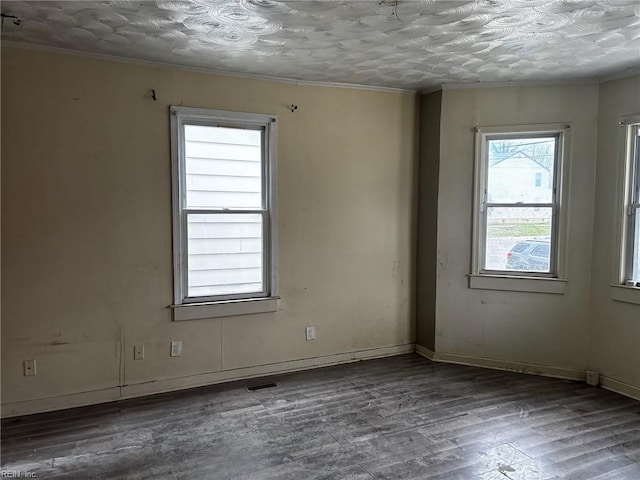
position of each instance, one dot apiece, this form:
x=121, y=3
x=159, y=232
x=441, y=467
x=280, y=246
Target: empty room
x=305, y=240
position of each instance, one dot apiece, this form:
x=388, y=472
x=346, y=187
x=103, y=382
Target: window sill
x=510, y=283
x=197, y=311
x=622, y=293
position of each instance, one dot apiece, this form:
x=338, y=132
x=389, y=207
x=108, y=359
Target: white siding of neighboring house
x=518, y=173
x=223, y=170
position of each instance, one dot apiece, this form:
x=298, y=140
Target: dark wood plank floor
x=396, y=418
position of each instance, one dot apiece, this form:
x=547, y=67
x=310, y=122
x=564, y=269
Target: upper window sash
x=182, y=116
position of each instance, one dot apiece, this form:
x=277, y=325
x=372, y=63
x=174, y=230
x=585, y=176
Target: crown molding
x=626, y=73
x=526, y=83
x=428, y=90
x=208, y=71
x=531, y=83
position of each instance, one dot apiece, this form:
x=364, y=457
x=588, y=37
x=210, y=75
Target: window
x=631, y=249
x=517, y=215
x=224, y=212
x=538, y=180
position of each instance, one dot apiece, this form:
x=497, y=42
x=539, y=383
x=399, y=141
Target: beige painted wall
x=535, y=328
x=615, y=345
x=86, y=223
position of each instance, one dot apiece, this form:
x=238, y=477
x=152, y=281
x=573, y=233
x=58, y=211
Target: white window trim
x=622, y=293
x=518, y=284
x=555, y=283
x=618, y=290
x=185, y=308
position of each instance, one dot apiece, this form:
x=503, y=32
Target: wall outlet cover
x=311, y=333
x=176, y=348
x=138, y=352
x=29, y=368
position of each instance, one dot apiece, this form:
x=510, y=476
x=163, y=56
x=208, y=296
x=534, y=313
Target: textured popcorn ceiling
x=406, y=44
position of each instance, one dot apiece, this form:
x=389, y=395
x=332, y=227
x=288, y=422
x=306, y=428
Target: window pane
x=223, y=167
x=518, y=239
x=520, y=170
x=225, y=254
x=634, y=218
x=636, y=250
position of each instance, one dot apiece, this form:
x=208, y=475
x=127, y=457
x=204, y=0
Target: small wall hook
x=16, y=21
x=292, y=107
x=153, y=95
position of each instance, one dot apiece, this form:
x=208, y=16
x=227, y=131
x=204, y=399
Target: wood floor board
x=581, y=441
x=617, y=444
x=592, y=466
x=628, y=471
x=398, y=418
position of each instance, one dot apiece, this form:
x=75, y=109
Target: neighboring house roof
x=493, y=161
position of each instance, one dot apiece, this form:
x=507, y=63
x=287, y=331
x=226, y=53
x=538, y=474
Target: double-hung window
x=631, y=243
x=223, y=212
x=517, y=214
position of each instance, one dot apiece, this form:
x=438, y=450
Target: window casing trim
x=518, y=284
x=196, y=311
x=560, y=201
x=181, y=116
x=623, y=293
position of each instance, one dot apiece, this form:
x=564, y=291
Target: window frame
x=544, y=282
x=230, y=303
x=631, y=200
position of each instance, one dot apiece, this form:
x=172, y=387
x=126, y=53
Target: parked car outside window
x=530, y=256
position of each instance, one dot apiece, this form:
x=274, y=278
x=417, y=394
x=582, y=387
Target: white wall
x=534, y=328
x=86, y=229
x=615, y=335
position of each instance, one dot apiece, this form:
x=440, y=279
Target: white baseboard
x=520, y=367
x=172, y=384
x=620, y=387
x=608, y=383
x=28, y=407
x=425, y=352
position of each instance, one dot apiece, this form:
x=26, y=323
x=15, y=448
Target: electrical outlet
x=311, y=333
x=176, y=348
x=138, y=352
x=29, y=368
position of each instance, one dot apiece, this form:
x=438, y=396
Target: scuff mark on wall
x=117, y=346
x=118, y=349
